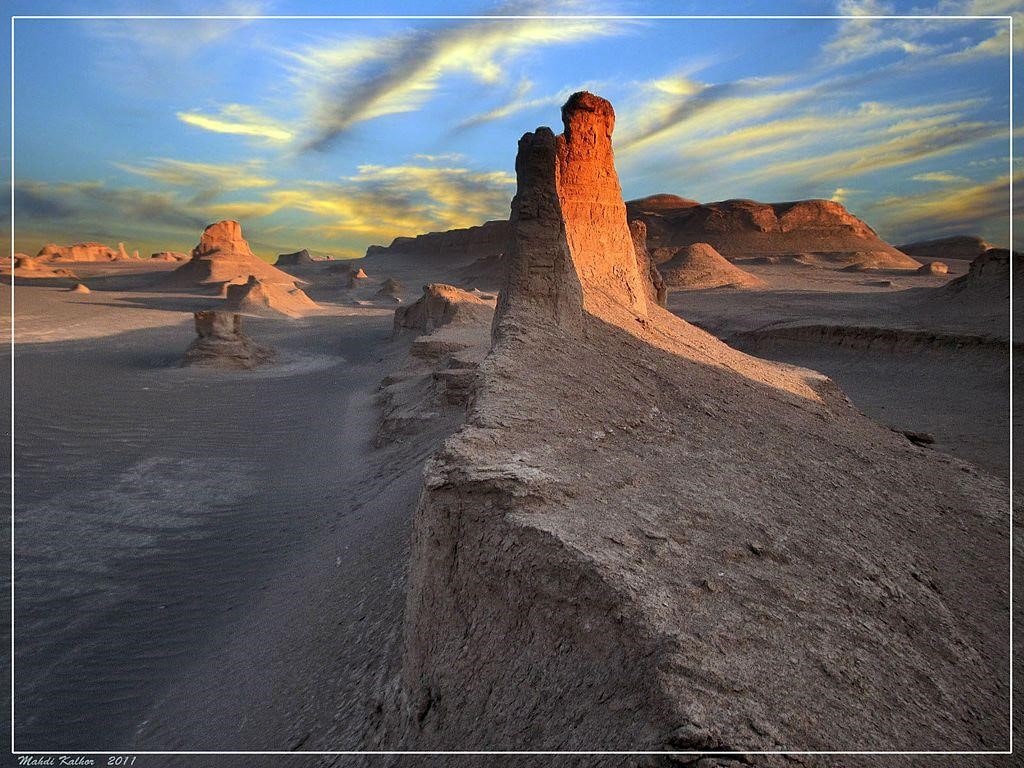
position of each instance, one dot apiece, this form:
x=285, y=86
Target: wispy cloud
x=955, y=209
x=386, y=201
x=203, y=176
x=521, y=101
x=240, y=120
x=939, y=177
x=353, y=80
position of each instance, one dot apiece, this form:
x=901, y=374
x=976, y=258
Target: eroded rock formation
x=220, y=343
x=223, y=256
x=170, y=256
x=440, y=305
x=644, y=539
x=77, y=252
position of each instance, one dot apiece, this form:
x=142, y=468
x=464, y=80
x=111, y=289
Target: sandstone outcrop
x=747, y=228
x=967, y=247
x=257, y=297
x=223, y=256
x=644, y=539
x=455, y=246
x=170, y=256
x=701, y=266
x=77, y=252
x=657, y=291
x=122, y=254
x=80, y=288
x=220, y=343
x=297, y=259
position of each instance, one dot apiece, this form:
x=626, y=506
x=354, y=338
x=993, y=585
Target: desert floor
x=217, y=560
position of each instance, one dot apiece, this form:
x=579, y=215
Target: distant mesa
x=257, y=297
x=441, y=304
x=80, y=252
x=738, y=229
x=455, y=245
x=934, y=268
x=297, y=259
x=80, y=288
x=223, y=256
x=659, y=203
x=746, y=228
x=699, y=266
x=170, y=256
x=220, y=343
x=967, y=247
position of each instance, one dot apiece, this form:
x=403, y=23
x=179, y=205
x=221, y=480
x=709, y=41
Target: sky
x=334, y=134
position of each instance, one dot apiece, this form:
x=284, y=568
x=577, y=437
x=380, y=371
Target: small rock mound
x=934, y=268
x=700, y=266
x=80, y=288
x=258, y=297
x=439, y=305
x=220, y=343
x=391, y=289
x=355, y=275
x=297, y=259
x=170, y=256
x=988, y=278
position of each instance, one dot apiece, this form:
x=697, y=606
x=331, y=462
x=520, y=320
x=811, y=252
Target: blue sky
x=332, y=134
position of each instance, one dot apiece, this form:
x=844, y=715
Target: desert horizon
x=544, y=378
